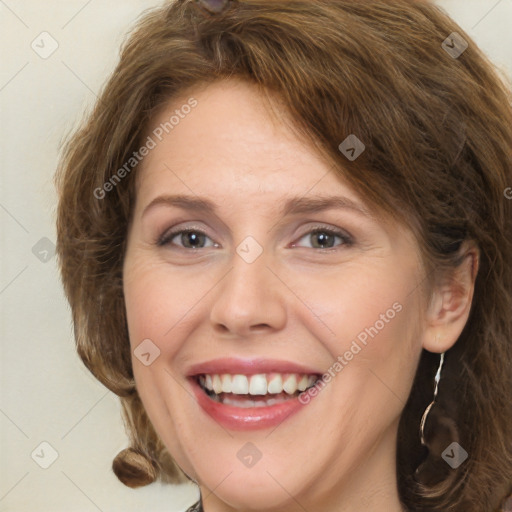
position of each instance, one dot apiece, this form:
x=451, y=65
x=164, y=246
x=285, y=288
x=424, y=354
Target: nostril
x=259, y=327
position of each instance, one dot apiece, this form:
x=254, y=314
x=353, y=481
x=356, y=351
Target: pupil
x=191, y=238
x=323, y=239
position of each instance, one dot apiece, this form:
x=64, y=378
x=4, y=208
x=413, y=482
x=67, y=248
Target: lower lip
x=251, y=418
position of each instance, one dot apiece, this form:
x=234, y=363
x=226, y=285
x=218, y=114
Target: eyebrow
x=293, y=205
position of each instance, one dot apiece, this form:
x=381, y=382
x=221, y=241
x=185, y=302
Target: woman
x=285, y=238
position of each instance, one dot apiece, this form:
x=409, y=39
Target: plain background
x=46, y=393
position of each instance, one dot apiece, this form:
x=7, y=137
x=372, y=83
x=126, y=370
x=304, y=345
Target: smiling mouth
x=259, y=390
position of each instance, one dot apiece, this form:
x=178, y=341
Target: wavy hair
x=438, y=136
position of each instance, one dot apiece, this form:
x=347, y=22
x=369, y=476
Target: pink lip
x=248, y=367
x=238, y=418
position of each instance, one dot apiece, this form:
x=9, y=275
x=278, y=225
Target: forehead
x=236, y=139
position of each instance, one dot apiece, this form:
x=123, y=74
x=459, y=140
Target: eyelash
x=346, y=239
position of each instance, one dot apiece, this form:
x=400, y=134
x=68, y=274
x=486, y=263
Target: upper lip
x=234, y=366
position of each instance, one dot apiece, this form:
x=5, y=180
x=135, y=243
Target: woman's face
x=284, y=275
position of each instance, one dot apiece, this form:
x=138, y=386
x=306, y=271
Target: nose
x=249, y=299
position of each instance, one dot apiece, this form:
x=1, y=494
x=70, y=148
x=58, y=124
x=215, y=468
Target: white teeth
x=303, y=383
x=258, y=385
x=226, y=383
x=290, y=384
x=275, y=385
x=217, y=384
x=245, y=404
x=240, y=385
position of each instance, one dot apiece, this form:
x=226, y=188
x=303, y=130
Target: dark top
x=196, y=508
x=507, y=506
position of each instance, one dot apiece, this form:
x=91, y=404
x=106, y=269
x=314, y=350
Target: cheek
x=372, y=313
x=157, y=303
x=375, y=305
x=380, y=348
x=154, y=311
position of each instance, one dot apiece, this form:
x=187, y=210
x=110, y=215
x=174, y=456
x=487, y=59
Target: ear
x=450, y=303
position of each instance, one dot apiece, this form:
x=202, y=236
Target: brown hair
x=438, y=136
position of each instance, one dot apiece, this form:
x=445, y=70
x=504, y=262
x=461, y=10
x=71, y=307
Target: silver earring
x=437, y=378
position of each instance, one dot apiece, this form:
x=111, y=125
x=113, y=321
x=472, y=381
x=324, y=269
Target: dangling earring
x=437, y=378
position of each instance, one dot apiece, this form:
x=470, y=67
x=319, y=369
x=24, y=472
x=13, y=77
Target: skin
x=296, y=302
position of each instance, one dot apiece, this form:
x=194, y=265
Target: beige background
x=46, y=395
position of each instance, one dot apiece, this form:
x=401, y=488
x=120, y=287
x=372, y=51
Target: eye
x=324, y=238
x=190, y=239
